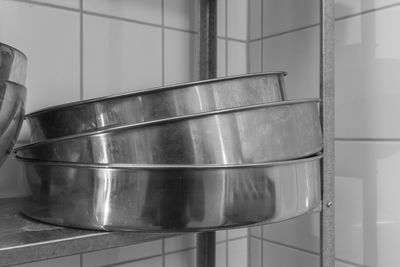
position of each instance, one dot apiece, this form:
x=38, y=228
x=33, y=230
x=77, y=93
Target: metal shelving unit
x=52, y=241
x=207, y=69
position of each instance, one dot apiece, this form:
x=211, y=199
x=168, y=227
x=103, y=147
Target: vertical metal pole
x=207, y=42
x=207, y=58
x=327, y=111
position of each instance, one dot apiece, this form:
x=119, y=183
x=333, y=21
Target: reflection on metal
x=12, y=110
x=327, y=94
x=12, y=64
x=171, y=198
x=269, y=132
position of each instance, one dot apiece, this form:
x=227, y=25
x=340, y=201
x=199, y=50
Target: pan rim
x=148, y=91
x=125, y=166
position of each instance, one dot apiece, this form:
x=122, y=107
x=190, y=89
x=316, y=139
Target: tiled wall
x=73, y=54
x=79, y=49
x=284, y=36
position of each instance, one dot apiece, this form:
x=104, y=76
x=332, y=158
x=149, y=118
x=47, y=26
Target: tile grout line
x=163, y=258
x=226, y=248
x=81, y=93
x=262, y=69
x=81, y=260
x=350, y=139
x=226, y=40
x=248, y=250
x=350, y=263
x=248, y=38
x=262, y=40
x=162, y=43
x=232, y=39
x=286, y=245
x=365, y=12
x=368, y=11
x=262, y=244
x=48, y=5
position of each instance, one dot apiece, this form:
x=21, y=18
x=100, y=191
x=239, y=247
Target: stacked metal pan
x=13, y=65
x=199, y=156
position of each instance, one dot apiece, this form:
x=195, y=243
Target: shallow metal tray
x=12, y=64
x=171, y=198
x=260, y=133
x=153, y=104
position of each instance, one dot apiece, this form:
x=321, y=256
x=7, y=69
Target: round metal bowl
x=12, y=64
x=12, y=110
x=259, y=133
x=165, y=197
x=153, y=104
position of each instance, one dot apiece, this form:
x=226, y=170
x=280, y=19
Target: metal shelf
x=23, y=240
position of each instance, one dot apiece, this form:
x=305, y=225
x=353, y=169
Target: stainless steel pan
x=260, y=133
x=171, y=198
x=12, y=109
x=12, y=64
x=159, y=103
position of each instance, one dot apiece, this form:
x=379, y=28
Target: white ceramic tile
x=141, y=10
x=181, y=259
x=237, y=253
x=255, y=19
x=12, y=179
x=367, y=79
x=221, y=57
x=297, y=53
x=301, y=232
x=220, y=255
x=237, y=58
x=180, y=242
x=220, y=235
x=121, y=254
x=120, y=57
x=280, y=256
x=153, y=262
x=237, y=19
x=71, y=261
x=255, y=252
x=256, y=231
x=221, y=17
x=285, y=15
x=180, y=57
x=52, y=50
x=63, y=3
x=255, y=59
x=181, y=14
x=236, y=233
x=367, y=214
x=342, y=264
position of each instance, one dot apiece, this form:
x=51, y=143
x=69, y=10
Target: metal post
x=327, y=111
x=207, y=60
x=207, y=42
